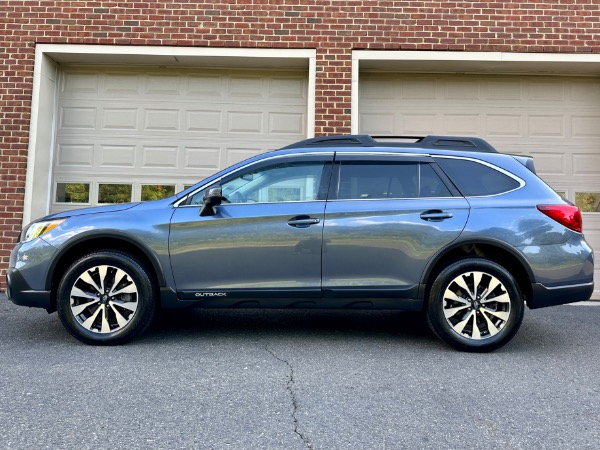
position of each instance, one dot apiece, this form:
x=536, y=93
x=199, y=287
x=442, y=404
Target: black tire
x=466, y=314
x=106, y=298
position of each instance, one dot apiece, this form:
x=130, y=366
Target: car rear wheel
x=106, y=298
x=475, y=305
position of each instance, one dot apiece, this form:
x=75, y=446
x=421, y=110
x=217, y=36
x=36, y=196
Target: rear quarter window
x=474, y=179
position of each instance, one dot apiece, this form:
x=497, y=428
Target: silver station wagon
x=443, y=225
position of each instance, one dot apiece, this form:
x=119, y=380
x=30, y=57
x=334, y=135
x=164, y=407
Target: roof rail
x=364, y=140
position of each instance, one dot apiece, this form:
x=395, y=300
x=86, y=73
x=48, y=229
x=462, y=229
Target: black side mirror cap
x=212, y=197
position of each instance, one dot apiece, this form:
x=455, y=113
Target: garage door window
x=157, y=191
x=114, y=193
x=588, y=201
x=73, y=193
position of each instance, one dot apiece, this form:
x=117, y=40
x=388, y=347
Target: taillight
x=567, y=215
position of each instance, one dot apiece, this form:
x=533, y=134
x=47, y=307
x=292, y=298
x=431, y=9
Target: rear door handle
x=435, y=215
x=302, y=221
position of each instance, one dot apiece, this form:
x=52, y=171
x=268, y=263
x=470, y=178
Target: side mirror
x=212, y=197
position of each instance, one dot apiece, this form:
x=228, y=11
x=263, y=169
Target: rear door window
x=363, y=180
x=475, y=179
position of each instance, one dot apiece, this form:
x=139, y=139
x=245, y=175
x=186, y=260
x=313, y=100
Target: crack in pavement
x=290, y=389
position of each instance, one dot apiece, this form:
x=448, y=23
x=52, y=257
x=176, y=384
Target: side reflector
x=567, y=215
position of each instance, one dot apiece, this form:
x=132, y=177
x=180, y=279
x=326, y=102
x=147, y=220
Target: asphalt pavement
x=225, y=379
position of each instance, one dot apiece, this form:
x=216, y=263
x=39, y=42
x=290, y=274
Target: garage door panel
x=502, y=90
x=286, y=89
x=234, y=155
x=416, y=124
x=546, y=125
x=77, y=118
x=586, y=90
x=285, y=123
x=416, y=89
x=378, y=123
x=462, y=124
x=245, y=122
x=159, y=157
x=554, y=119
x=158, y=119
x=151, y=157
x=83, y=83
x=201, y=86
x=156, y=84
x=461, y=89
x=505, y=125
x=550, y=163
x=117, y=156
x=116, y=118
x=161, y=119
x=206, y=121
x=120, y=84
x=546, y=90
x=585, y=125
x=75, y=155
x=586, y=164
x=207, y=158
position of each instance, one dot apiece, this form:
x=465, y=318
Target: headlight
x=37, y=229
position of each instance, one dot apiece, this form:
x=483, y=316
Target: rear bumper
x=543, y=296
x=20, y=293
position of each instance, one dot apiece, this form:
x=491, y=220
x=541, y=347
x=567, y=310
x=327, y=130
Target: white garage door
x=144, y=133
x=554, y=119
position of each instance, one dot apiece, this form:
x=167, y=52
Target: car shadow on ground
x=202, y=323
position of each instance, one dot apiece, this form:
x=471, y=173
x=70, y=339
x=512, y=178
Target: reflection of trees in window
x=284, y=182
x=73, y=193
x=114, y=193
x=283, y=194
x=157, y=191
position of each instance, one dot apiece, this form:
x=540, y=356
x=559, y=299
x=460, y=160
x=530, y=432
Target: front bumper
x=543, y=296
x=27, y=274
x=20, y=293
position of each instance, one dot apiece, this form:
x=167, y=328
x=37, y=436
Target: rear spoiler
x=527, y=161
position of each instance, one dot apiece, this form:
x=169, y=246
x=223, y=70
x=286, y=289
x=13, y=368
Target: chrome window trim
x=259, y=203
x=417, y=199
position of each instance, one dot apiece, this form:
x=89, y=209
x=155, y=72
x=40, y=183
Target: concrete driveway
x=299, y=380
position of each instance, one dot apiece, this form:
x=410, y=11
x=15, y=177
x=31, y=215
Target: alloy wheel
x=104, y=299
x=476, y=305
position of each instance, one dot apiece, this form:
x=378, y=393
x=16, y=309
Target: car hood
x=94, y=210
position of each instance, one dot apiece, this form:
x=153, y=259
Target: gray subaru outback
x=443, y=225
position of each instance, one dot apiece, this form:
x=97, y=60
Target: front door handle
x=435, y=215
x=302, y=221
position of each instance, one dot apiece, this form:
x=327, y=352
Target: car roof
x=404, y=143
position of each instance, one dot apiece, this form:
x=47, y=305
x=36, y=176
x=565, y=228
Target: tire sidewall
x=146, y=298
x=435, y=306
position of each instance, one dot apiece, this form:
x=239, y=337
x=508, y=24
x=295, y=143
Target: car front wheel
x=475, y=305
x=106, y=298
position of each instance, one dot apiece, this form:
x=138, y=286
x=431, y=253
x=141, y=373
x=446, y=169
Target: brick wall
x=333, y=27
